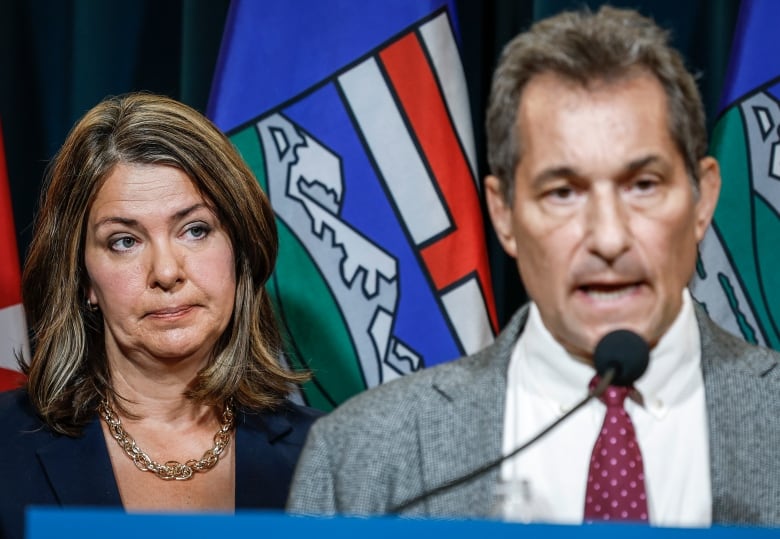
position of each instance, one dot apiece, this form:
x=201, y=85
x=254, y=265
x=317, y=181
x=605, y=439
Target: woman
x=154, y=383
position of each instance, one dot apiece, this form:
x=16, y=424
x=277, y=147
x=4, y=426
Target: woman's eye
x=123, y=244
x=198, y=231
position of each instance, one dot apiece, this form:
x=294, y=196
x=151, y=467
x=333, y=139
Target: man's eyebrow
x=554, y=172
x=642, y=162
x=572, y=173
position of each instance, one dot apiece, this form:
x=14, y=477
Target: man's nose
x=607, y=224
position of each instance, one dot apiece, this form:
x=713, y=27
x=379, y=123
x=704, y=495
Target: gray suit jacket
x=398, y=440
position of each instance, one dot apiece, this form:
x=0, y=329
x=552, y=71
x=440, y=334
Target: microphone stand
x=597, y=391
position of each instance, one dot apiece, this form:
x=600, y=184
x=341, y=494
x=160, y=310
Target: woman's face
x=160, y=266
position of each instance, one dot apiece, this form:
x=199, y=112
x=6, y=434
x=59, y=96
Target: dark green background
x=60, y=57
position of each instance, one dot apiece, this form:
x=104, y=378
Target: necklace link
x=172, y=469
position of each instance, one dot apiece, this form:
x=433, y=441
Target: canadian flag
x=13, y=329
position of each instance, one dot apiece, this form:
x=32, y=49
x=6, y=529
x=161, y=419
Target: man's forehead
x=551, y=101
x=611, y=124
x=597, y=78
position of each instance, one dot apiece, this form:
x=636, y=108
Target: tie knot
x=614, y=395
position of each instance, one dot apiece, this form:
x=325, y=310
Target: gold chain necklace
x=171, y=469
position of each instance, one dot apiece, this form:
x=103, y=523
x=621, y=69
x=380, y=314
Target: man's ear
x=500, y=215
x=709, y=191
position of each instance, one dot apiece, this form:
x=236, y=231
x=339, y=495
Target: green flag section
x=737, y=276
x=296, y=272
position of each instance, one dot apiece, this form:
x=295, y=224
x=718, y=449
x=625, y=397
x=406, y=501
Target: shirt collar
x=546, y=368
x=675, y=363
x=550, y=371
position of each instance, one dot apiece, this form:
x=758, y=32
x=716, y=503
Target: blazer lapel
x=461, y=428
x=80, y=472
x=79, y=469
x=263, y=467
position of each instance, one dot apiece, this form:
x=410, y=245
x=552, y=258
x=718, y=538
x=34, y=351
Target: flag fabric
x=13, y=329
x=354, y=117
x=737, y=278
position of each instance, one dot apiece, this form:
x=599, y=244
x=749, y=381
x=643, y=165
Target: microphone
x=624, y=353
x=620, y=358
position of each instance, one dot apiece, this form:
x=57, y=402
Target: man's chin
x=582, y=345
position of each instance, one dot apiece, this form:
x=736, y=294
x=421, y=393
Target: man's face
x=604, y=222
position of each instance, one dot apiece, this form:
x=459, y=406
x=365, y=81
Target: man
x=601, y=190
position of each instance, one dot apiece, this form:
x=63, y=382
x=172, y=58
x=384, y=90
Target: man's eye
x=561, y=193
x=644, y=185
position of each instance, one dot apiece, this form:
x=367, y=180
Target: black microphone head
x=626, y=352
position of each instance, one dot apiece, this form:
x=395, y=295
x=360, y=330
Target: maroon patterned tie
x=616, y=479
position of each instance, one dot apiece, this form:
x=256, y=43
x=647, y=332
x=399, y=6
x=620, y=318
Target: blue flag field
x=354, y=118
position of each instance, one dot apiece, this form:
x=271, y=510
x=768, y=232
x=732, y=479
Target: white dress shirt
x=547, y=482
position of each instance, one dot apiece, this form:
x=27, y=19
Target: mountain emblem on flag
x=737, y=278
x=382, y=266
x=305, y=183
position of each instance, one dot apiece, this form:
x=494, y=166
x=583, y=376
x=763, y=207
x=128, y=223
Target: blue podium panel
x=100, y=523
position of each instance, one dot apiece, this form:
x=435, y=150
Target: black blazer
x=38, y=467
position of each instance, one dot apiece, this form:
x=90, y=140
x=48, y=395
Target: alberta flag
x=13, y=330
x=738, y=277
x=354, y=118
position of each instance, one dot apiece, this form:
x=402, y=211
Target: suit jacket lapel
x=463, y=430
x=79, y=469
x=736, y=379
